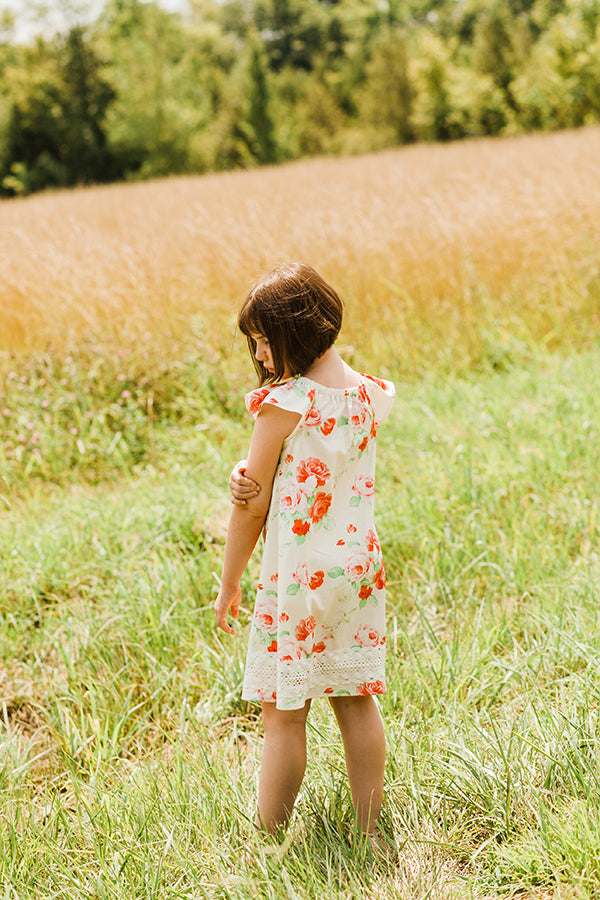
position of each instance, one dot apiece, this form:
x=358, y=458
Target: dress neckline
x=325, y=387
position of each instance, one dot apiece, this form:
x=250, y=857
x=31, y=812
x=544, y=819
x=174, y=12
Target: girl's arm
x=271, y=428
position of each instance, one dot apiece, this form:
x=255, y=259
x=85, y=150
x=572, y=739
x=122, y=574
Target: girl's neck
x=330, y=370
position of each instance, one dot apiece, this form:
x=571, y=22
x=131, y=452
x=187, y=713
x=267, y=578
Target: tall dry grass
x=429, y=244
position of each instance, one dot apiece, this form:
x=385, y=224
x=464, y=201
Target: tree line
x=140, y=92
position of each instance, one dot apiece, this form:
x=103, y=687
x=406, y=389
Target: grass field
x=127, y=759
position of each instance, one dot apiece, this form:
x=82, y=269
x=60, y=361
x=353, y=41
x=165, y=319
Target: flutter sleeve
x=292, y=396
x=382, y=394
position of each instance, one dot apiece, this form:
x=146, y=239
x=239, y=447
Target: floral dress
x=318, y=628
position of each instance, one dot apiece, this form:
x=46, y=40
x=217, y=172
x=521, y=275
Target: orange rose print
x=320, y=507
x=364, y=485
x=367, y=636
x=266, y=696
x=312, y=466
x=313, y=416
x=256, y=400
x=378, y=381
x=358, y=417
x=305, y=627
x=370, y=687
x=300, y=527
x=317, y=580
x=359, y=565
x=372, y=540
x=290, y=497
x=380, y=579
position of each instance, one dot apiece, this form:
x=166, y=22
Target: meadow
x=127, y=759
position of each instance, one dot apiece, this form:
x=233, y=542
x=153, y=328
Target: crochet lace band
x=290, y=683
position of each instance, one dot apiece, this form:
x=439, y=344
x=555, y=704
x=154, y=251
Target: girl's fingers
x=239, y=483
x=240, y=499
x=227, y=603
x=242, y=490
x=243, y=486
x=222, y=622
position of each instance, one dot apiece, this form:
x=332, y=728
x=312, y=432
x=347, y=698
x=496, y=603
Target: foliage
x=143, y=92
x=55, y=133
x=388, y=92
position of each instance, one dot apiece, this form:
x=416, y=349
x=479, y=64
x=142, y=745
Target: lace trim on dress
x=330, y=674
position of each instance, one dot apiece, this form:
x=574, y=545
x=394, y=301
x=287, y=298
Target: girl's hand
x=228, y=600
x=242, y=488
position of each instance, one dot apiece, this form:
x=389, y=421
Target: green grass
x=128, y=760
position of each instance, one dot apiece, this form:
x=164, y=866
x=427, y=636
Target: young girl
x=318, y=628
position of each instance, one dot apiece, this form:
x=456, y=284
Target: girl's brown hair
x=299, y=314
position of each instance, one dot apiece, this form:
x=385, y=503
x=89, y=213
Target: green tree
x=55, y=134
x=259, y=114
x=493, y=52
x=294, y=32
x=388, y=94
x=432, y=105
x=560, y=85
x=310, y=120
x=157, y=67
x=86, y=99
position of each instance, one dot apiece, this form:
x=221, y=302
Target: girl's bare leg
x=364, y=747
x=282, y=766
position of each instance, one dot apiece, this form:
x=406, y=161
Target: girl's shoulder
x=294, y=395
x=386, y=386
x=300, y=393
x=381, y=394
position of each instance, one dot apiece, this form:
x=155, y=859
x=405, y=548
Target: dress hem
x=264, y=697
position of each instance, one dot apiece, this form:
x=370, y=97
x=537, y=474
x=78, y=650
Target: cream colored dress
x=318, y=628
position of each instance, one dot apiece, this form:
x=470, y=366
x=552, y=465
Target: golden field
x=431, y=246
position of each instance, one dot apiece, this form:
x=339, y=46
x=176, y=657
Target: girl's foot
x=382, y=848
x=378, y=846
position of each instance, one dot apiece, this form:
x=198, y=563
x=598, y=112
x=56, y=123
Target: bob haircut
x=300, y=315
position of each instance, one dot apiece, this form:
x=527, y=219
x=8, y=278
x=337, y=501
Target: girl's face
x=263, y=352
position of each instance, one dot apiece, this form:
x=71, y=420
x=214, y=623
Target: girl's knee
x=355, y=704
x=284, y=718
x=357, y=709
